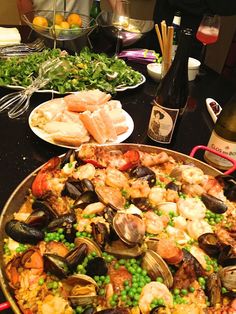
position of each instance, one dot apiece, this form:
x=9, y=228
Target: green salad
x=89, y=71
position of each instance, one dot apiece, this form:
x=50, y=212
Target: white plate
x=213, y=115
x=46, y=137
x=118, y=89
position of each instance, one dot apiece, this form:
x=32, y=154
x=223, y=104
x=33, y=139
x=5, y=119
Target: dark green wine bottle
x=95, y=9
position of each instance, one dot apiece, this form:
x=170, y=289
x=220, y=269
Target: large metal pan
x=17, y=199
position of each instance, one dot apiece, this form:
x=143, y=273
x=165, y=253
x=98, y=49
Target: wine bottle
x=176, y=24
x=223, y=137
x=172, y=94
x=95, y=9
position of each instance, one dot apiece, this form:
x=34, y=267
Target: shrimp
x=53, y=304
x=153, y=223
x=154, y=290
x=156, y=195
x=179, y=236
x=189, y=174
x=116, y=178
x=138, y=188
x=86, y=171
x=213, y=187
x=94, y=208
x=198, y=227
x=191, y=208
x=149, y=160
x=180, y=223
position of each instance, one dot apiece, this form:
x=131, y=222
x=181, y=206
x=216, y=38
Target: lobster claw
x=40, y=184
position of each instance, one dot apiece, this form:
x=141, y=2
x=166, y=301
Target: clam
x=130, y=228
x=122, y=250
x=209, y=243
x=214, y=289
x=228, y=277
x=23, y=233
x=77, y=255
x=157, y=267
x=111, y=196
x=56, y=265
x=81, y=289
x=97, y=267
x=91, y=245
x=144, y=173
x=214, y=204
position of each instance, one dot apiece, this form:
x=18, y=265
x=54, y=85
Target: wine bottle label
x=223, y=146
x=162, y=123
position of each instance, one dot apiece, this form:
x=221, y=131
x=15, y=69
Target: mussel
x=44, y=206
x=100, y=233
x=144, y=173
x=227, y=256
x=228, y=277
x=96, y=267
x=117, y=310
x=86, y=185
x=229, y=186
x=38, y=219
x=66, y=222
x=142, y=203
x=173, y=186
x=56, y=265
x=130, y=228
x=214, y=204
x=68, y=157
x=209, y=243
x=214, y=289
x=70, y=190
x=85, y=199
x=157, y=267
x=76, y=256
x=23, y=233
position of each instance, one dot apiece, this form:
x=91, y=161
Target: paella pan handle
x=4, y=306
x=233, y=161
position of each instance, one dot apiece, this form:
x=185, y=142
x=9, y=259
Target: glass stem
x=203, y=55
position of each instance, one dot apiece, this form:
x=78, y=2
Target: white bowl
x=154, y=69
x=193, y=68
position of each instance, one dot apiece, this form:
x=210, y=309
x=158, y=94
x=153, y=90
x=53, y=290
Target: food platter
x=46, y=137
x=18, y=198
x=43, y=91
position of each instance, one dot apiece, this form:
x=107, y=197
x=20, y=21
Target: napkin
x=9, y=36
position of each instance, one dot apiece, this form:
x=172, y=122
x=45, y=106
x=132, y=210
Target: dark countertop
x=22, y=151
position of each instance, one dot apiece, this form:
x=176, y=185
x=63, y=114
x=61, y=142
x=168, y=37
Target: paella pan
x=120, y=229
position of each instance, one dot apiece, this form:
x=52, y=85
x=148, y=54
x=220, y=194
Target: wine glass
x=208, y=32
x=120, y=20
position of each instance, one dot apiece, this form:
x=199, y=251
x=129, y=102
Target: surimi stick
x=159, y=37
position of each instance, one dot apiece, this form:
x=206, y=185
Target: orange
x=75, y=19
x=40, y=21
x=65, y=25
x=58, y=18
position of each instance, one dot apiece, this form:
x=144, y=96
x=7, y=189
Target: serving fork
x=22, y=49
x=18, y=102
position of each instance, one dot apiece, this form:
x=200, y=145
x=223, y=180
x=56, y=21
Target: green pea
x=55, y=285
x=184, y=291
x=160, y=279
x=123, y=297
x=223, y=290
x=41, y=281
x=201, y=280
x=176, y=291
x=191, y=289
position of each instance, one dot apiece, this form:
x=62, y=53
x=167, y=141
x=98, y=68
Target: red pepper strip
x=94, y=162
x=132, y=156
x=4, y=306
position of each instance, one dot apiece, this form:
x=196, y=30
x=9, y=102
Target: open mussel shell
x=91, y=245
x=214, y=204
x=144, y=173
x=23, y=233
x=157, y=267
x=86, y=185
x=70, y=190
x=76, y=256
x=228, y=277
x=85, y=199
x=214, y=289
x=117, y=310
x=100, y=233
x=229, y=185
x=56, y=265
x=96, y=267
x=68, y=157
x=173, y=186
x=209, y=243
x=111, y=196
x=44, y=206
x=121, y=250
x=227, y=256
x=81, y=289
x=130, y=228
x=38, y=219
x=142, y=203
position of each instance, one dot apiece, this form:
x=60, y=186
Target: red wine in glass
x=207, y=35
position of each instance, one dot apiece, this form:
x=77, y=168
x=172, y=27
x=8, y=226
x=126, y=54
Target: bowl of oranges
x=60, y=25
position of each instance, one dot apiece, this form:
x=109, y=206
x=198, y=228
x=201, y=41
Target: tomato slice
x=132, y=157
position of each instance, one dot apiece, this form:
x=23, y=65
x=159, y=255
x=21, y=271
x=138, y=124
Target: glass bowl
x=135, y=30
x=88, y=24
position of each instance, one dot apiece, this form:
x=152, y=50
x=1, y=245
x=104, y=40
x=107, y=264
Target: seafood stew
x=121, y=229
